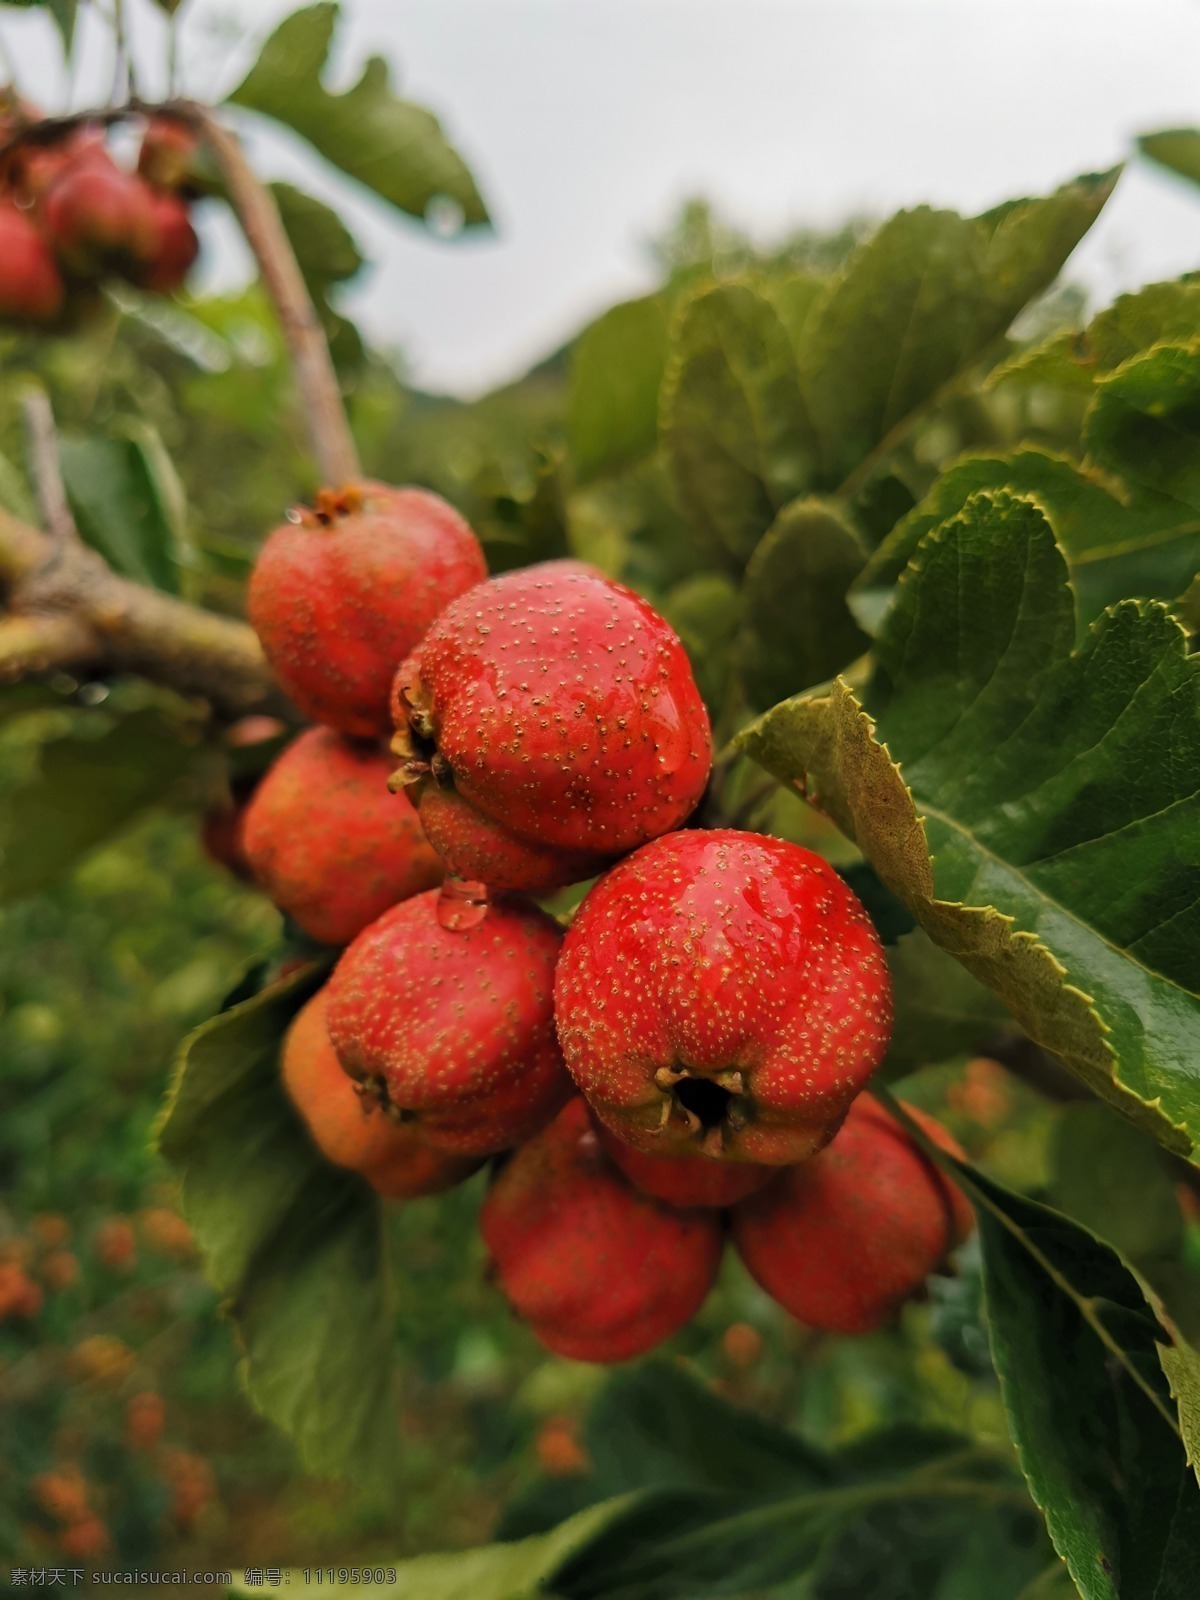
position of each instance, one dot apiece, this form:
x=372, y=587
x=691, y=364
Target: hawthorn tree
x=937, y=584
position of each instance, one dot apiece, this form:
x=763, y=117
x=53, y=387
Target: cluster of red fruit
x=671, y=1069
x=70, y=217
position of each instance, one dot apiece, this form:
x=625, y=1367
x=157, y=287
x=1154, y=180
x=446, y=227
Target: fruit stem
x=329, y=430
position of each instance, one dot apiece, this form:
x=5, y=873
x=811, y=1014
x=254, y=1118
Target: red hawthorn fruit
x=841, y=1241
x=20, y=1297
x=168, y=149
x=177, y=248
x=685, y=1181
x=327, y=840
x=724, y=992
x=85, y=1539
x=100, y=218
x=560, y=710
x=453, y=1025
x=340, y=594
x=599, y=1271
x=352, y=1130
x=31, y=286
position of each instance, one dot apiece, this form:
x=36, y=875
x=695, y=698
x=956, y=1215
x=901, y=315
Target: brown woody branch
x=67, y=608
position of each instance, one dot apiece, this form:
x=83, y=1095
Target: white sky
x=588, y=121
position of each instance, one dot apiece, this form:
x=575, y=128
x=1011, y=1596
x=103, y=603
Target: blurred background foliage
x=118, y=1376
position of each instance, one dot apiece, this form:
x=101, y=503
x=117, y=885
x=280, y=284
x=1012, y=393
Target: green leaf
x=1115, y=550
x=1076, y=1346
x=1111, y=1177
x=919, y=302
x=1177, y=149
x=494, y=1572
x=941, y=1011
x=128, y=502
x=612, y=400
x=705, y=612
x=393, y=147
x=325, y=248
x=295, y=1244
x=327, y=255
x=1145, y=423
x=797, y=628
x=731, y=1504
x=733, y=423
x=1035, y=807
x=1134, y=322
x=79, y=785
x=523, y=518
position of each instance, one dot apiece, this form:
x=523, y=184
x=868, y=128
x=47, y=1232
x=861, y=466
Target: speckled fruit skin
x=599, y=1271
x=177, y=247
x=724, y=992
x=31, y=287
x=353, y=1131
x=685, y=1181
x=561, y=709
x=842, y=1241
x=341, y=594
x=99, y=218
x=327, y=840
x=454, y=1026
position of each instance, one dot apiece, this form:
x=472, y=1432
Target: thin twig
x=42, y=441
x=258, y=214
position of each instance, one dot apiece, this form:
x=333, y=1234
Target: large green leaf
x=1115, y=549
x=390, y=145
x=128, y=502
x=733, y=423
x=1145, y=423
x=327, y=255
x=296, y=1245
x=921, y=300
x=1134, y=322
x=1077, y=1347
x=797, y=629
x=732, y=1504
x=612, y=403
x=1036, y=807
x=1177, y=149
x=73, y=786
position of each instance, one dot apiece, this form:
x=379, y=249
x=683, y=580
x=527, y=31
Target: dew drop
x=462, y=904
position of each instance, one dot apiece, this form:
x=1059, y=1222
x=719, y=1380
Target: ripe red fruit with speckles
x=687, y=1181
x=560, y=710
x=327, y=840
x=99, y=218
x=176, y=250
x=599, y=1271
x=843, y=1240
x=31, y=286
x=341, y=594
x=352, y=1130
x=453, y=1025
x=725, y=992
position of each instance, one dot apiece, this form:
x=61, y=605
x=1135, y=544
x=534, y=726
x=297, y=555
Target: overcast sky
x=587, y=122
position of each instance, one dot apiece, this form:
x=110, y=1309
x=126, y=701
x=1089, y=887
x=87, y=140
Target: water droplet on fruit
x=462, y=904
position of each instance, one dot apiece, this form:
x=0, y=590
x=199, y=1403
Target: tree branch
x=258, y=214
x=40, y=643
x=74, y=610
